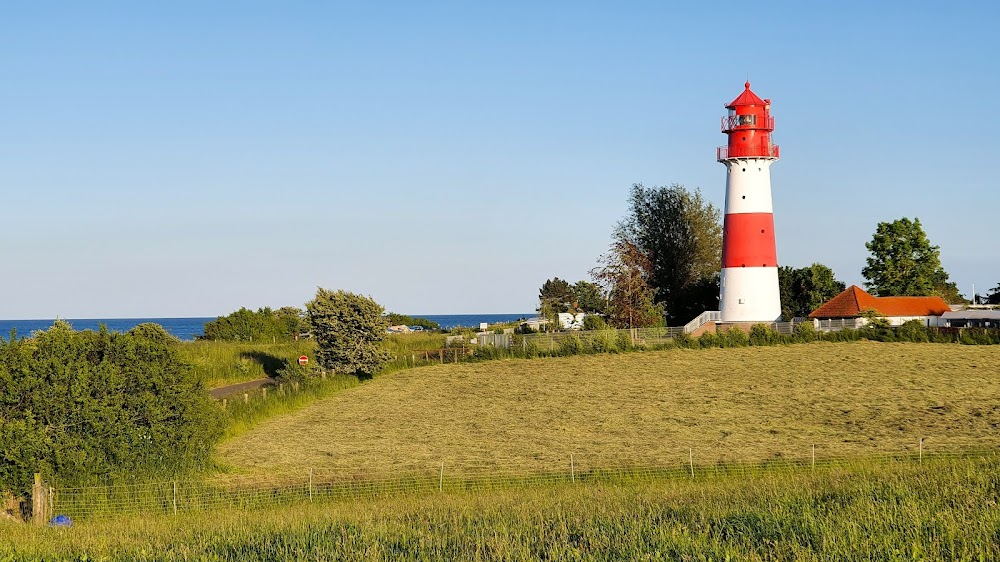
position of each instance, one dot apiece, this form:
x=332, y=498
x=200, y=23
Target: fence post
x=51, y=497
x=441, y=355
x=264, y=393
x=441, y=481
x=225, y=403
x=246, y=397
x=38, y=501
x=572, y=469
x=281, y=388
x=814, y=457
x=691, y=461
x=310, y=484
x=175, y=497
x=921, y=453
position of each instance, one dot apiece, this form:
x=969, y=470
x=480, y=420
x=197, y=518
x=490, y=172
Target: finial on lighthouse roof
x=747, y=84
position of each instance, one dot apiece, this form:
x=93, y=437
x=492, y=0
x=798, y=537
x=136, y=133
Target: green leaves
x=903, y=262
x=348, y=329
x=806, y=289
x=81, y=405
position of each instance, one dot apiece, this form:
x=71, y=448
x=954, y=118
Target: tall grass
x=941, y=509
x=218, y=363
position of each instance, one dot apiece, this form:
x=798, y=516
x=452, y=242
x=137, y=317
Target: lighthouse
x=749, y=282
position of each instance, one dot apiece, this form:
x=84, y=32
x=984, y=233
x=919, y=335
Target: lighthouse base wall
x=750, y=294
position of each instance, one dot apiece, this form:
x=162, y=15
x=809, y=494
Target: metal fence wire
x=258, y=491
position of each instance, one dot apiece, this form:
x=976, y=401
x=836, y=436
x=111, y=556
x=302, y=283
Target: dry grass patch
x=645, y=408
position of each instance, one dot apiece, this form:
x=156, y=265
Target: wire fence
x=276, y=488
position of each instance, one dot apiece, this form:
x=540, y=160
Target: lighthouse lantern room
x=749, y=283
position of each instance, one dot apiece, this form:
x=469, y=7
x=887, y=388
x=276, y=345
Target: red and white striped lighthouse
x=749, y=284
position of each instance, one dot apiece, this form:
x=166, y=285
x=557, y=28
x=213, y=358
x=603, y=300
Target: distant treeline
x=285, y=324
x=402, y=319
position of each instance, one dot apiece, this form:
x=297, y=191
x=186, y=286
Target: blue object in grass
x=61, y=521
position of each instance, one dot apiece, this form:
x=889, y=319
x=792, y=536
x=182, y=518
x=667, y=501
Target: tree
x=624, y=276
x=804, y=290
x=556, y=295
x=681, y=237
x=589, y=298
x=79, y=406
x=348, y=330
x=904, y=263
x=993, y=297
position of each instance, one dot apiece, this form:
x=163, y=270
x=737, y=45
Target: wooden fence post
x=38, y=501
x=246, y=397
x=441, y=355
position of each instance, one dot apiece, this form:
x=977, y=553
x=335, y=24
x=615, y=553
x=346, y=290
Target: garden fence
x=274, y=488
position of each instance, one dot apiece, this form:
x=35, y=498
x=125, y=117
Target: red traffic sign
x=303, y=360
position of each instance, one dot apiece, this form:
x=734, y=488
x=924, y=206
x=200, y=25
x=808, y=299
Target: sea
x=191, y=328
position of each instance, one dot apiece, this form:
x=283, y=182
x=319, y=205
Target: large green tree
x=555, y=296
x=82, y=406
x=348, y=330
x=681, y=235
x=590, y=298
x=903, y=262
x=804, y=290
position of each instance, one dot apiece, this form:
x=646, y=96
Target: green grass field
x=941, y=509
x=849, y=400
x=495, y=419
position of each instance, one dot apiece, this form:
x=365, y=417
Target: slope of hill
x=645, y=408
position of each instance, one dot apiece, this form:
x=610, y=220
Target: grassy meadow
x=221, y=363
x=940, y=509
x=652, y=408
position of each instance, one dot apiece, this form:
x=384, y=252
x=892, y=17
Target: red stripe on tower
x=748, y=240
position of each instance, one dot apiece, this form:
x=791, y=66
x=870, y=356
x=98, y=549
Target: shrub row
x=615, y=341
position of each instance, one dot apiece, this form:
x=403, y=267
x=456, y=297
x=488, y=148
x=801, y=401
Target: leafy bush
x=912, y=331
x=685, y=340
x=624, y=342
x=709, y=339
x=284, y=324
x=78, y=406
x=847, y=334
x=604, y=341
x=572, y=345
x=764, y=335
x=488, y=352
x=735, y=337
x=804, y=332
x=594, y=322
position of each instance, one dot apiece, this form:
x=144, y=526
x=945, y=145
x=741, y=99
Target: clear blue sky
x=188, y=158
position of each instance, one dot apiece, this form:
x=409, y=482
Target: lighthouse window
x=746, y=119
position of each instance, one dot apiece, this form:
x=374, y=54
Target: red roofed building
x=854, y=302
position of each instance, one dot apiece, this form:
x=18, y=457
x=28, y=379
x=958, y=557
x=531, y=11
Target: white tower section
x=749, y=291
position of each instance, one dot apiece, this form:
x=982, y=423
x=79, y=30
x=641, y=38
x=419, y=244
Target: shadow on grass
x=271, y=364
